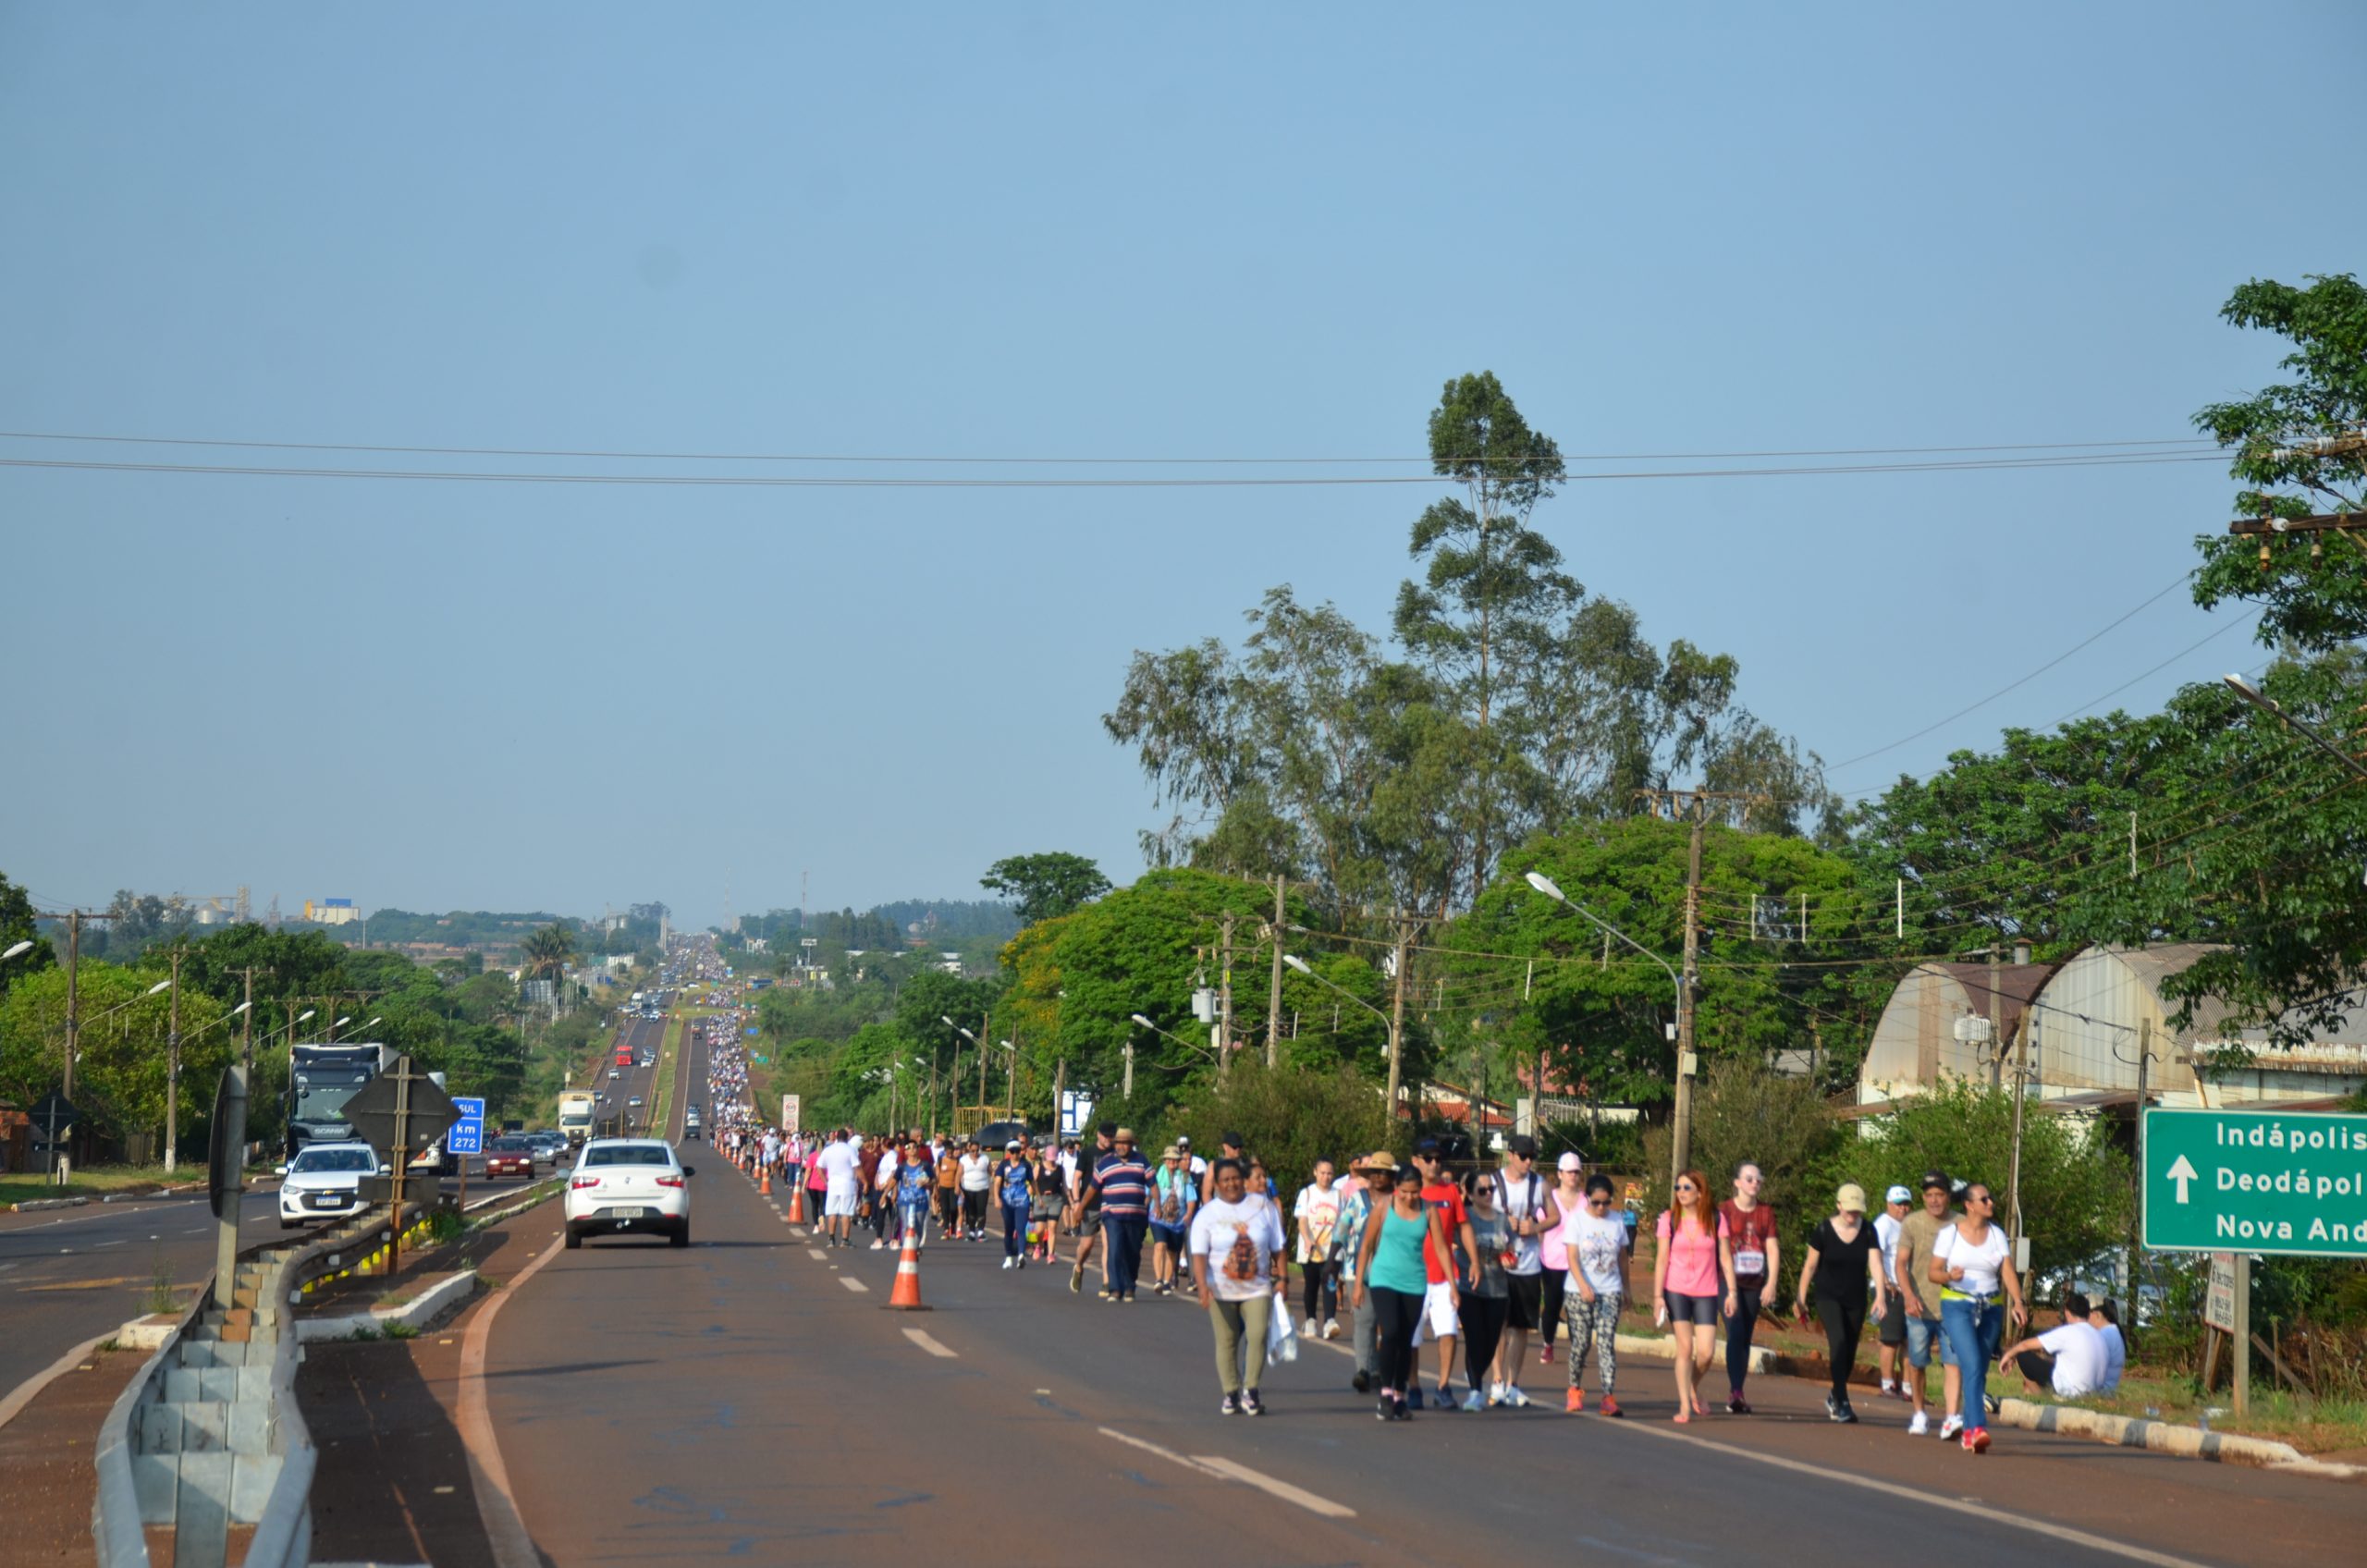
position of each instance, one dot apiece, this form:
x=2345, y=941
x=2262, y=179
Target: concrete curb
x=520, y=1208
x=410, y=1315
x=35, y=1205
x=2127, y=1431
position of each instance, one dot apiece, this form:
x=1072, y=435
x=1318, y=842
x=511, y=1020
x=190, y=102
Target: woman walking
x=1390, y=1271
x=1175, y=1194
x=1318, y=1213
x=1691, y=1277
x=1237, y=1256
x=1051, y=1197
x=1487, y=1300
x=1597, y=1242
x=1012, y=1190
x=1568, y=1199
x=1973, y=1267
x=1843, y=1252
x=1751, y=1229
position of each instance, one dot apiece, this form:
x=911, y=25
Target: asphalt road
x=743, y=1397
x=67, y=1275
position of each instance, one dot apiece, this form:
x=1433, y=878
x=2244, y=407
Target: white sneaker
x=878, y=1246
x=1310, y=1327
x=1951, y=1427
x=1918, y=1425
x=1331, y=1327
x=1514, y=1397
x=1007, y=1262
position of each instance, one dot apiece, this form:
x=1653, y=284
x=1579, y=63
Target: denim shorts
x=1683, y=1309
x=1922, y=1333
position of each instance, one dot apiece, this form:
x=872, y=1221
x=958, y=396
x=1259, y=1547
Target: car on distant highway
x=509, y=1157
x=548, y=1145
x=623, y=1186
x=325, y=1181
x=635, y=1101
x=615, y=1073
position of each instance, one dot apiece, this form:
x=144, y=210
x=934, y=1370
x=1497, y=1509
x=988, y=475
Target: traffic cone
x=906, y=1297
x=797, y=1203
x=765, y=1188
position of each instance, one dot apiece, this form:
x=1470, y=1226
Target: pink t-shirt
x=1555, y=1243
x=1693, y=1259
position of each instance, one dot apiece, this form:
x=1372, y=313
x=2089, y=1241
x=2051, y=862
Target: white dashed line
x=929, y=1342
x=1273, y=1488
x=818, y=1254
x=851, y=1282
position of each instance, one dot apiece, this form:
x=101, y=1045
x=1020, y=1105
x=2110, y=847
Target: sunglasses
x=1686, y=1187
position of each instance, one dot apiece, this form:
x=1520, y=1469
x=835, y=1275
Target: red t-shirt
x=1751, y=1232
x=1444, y=1198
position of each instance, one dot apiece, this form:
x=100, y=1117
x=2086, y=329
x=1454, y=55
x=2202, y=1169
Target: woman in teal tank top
x=1391, y=1269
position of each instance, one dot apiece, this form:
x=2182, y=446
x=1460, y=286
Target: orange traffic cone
x=766, y=1186
x=797, y=1203
x=906, y=1297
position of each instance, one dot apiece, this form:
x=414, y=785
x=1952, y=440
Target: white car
x=621, y=1185
x=323, y=1181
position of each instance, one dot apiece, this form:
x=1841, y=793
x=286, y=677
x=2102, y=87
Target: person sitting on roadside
x=2105, y=1318
x=2069, y=1360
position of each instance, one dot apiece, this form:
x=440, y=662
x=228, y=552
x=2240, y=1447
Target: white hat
x=1570, y=1161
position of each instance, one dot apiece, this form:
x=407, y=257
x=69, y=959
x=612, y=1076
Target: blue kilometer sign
x=467, y=1133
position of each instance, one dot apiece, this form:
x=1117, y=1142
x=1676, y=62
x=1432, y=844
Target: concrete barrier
x=422, y=1308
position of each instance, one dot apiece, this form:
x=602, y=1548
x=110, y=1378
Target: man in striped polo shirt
x=1122, y=1180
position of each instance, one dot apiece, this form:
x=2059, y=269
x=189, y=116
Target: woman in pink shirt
x=1692, y=1275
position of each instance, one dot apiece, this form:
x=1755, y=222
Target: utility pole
x=2014, y=1165
x=1224, y=999
x=1681, y=1139
x=1996, y=1034
x=247, y=1026
x=1127, y=1092
x=1060, y=1092
x=1274, y=989
x=173, y=1066
x=73, y=995
x=1397, y=1014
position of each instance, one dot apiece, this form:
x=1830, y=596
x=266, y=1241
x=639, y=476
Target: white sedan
x=324, y=1181
x=620, y=1186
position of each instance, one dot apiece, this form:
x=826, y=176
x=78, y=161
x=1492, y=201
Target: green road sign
x=2256, y=1181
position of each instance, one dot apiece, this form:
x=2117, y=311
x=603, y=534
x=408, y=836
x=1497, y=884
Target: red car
x=509, y=1156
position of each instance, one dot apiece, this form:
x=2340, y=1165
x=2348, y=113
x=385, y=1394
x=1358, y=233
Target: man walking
x=1121, y=1184
x=1085, y=1218
x=1918, y=1300
x=1523, y=1199
x=1442, y=1197
x=842, y=1166
x=1237, y=1261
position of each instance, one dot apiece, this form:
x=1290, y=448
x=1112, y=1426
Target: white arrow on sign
x=2182, y=1171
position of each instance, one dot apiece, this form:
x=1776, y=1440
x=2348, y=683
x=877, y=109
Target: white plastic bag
x=1281, y=1334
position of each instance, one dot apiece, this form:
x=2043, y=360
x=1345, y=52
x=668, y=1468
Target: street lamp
x=2268, y=704
x=1681, y=1141
x=15, y=950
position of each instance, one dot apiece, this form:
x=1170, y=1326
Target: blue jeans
x=912, y=1215
x=1972, y=1329
x=1125, y=1233
x=1014, y=1228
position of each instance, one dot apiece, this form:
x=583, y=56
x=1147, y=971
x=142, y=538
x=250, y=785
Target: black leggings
x=1844, y=1322
x=1398, y=1314
x=1321, y=1286
x=1483, y=1327
x=1738, y=1331
x=1549, y=1311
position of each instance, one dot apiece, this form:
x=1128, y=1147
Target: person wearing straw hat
x=1843, y=1252
x=1173, y=1198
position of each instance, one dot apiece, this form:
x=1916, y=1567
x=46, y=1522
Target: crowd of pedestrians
x=1396, y=1258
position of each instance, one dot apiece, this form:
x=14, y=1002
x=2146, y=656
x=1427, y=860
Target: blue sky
x=1027, y=231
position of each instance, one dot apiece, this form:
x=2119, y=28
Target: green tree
x=1046, y=886
x=547, y=951
x=2299, y=447
x=1290, y=1116
x=17, y=926
x=120, y=1068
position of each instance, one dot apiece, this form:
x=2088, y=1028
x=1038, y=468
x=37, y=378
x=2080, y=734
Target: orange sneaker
x=1576, y=1404
x=1611, y=1407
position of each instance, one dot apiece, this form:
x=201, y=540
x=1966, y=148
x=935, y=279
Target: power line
x=982, y=461
x=859, y=482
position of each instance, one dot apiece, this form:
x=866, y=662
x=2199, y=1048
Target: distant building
x=331, y=912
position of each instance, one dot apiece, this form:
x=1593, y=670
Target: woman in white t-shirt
x=1318, y=1213
x=1595, y=1240
x=1973, y=1266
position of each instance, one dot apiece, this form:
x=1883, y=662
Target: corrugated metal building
x=2088, y=1018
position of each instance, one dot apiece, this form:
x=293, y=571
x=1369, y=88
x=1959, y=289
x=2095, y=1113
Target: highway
x=749, y=1396
x=69, y=1275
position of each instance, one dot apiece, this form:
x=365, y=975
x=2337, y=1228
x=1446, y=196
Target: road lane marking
x=505, y=1530
x=1273, y=1488
x=1891, y=1488
x=81, y=1284
x=1166, y=1453
x=927, y=1341
x=818, y=1254
x=851, y=1282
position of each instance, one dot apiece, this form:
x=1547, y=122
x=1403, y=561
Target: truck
x=320, y=1078
x=575, y=1115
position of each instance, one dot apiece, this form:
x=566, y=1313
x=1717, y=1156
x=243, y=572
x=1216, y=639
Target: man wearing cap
x=1122, y=1185
x=1356, y=1208
x=1192, y=1165
x=1919, y=1300
x=1442, y=1197
x=1521, y=1198
x=1891, y=1337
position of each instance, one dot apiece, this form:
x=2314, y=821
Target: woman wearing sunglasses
x=1974, y=1266
x=1597, y=1242
x=1693, y=1270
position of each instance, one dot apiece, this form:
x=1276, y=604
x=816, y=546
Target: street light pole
x=173, y=1067
x=1681, y=1141
x=2270, y=706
